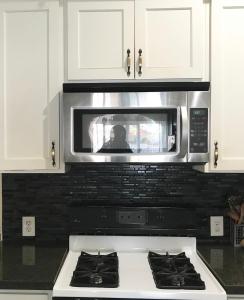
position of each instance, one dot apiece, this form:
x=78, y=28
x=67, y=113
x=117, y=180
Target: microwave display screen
x=125, y=131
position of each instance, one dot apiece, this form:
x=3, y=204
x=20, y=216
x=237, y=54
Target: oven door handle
x=183, y=132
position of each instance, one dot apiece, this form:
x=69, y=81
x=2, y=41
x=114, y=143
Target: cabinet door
x=227, y=99
x=29, y=84
x=170, y=34
x=99, y=35
x=23, y=297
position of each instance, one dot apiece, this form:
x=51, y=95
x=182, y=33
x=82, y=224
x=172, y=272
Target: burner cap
x=177, y=280
x=95, y=278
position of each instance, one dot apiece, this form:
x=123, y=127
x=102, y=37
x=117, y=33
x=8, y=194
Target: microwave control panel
x=198, y=130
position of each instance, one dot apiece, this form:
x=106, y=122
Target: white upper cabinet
x=100, y=33
x=227, y=82
x=29, y=84
x=170, y=35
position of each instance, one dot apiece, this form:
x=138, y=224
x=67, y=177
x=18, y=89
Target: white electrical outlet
x=28, y=226
x=217, y=226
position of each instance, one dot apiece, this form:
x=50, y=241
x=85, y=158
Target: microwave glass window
x=121, y=131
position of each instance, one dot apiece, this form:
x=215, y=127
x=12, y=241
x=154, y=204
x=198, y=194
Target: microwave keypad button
x=198, y=130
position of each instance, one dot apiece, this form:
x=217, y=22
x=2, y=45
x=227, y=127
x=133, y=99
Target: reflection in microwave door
x=117, y=142
x=108, y=135
x=130, y=133
x=171, y=143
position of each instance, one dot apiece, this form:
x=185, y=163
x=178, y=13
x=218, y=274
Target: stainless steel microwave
x=147, y=123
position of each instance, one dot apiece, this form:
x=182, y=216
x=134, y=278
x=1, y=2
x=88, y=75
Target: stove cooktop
x=136, y=279
x=169, y=271
x=174, y=272
x=96, y=271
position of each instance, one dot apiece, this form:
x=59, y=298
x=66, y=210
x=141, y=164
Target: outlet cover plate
x=216, y=225
x=28, y=226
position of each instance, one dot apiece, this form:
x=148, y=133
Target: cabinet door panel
x=99, y=34
x=227, y=84
x=170, y=34
x=23, y=297
x=29, y=95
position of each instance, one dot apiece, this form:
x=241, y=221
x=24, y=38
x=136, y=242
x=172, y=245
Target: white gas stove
x=143, y=263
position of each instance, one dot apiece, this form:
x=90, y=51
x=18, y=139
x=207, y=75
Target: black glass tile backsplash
x=48, y=196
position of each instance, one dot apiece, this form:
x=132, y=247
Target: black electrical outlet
x=132, y=217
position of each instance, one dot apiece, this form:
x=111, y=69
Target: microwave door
x=130, y=135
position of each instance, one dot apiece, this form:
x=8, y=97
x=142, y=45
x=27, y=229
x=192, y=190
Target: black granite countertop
x=30, y=266
x=227, y=264
x=36, y=266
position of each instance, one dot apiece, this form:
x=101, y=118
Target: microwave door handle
x=183, y=132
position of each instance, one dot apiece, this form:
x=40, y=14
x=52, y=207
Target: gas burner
x=179, y=281
x=170, y=262
x=100, y=263
x=96, y=270
x=152, y=254
x=174, y=271
x=104, y=256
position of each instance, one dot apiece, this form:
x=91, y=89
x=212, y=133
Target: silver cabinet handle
x=216, y=154
x=53, y=154
x=128, y=62
x=140, y=62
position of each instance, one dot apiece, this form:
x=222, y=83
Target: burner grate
x=174, y=272
x=96, y=271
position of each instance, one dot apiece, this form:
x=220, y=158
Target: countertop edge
x=60, y=266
